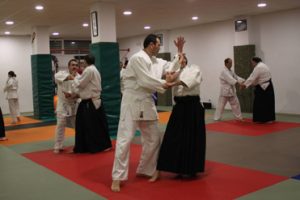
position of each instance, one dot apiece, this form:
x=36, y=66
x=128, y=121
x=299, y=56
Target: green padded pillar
x=107, y=62
x=42, y=86
x=243, y=68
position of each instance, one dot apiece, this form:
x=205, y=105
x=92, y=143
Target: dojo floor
x=243, y=161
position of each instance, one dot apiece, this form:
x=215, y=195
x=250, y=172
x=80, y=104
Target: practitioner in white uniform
x=264, y=95
x=66, y=103
x=183, y=147
x=92, y=131
x=11, y=89
x=228, y=80
x=138, y=111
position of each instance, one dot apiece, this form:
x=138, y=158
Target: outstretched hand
x=179, y=43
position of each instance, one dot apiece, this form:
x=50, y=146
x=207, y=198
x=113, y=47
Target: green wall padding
x=42, y=86
x=107, y=62
x=243, y=68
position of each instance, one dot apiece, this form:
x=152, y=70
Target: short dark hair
x=72, y=60
x=226, y=60
x=256, y=59
x=12, y=74
x=150, y=38
x=89, y=59
x=186, y=60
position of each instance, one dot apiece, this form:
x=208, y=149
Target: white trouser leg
x=235, y=106
x=126, y=131
x=151, y=140
x=14, y=109
x=220, y=107
x=60, y=132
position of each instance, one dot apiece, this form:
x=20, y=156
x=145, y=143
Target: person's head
x=152, y=44
x=89, y=59
x=82, y=66
x=255, y=61
x=125, y=63
x=228, y=63
x=73, y=65
x=185, y=61
x=11, y=74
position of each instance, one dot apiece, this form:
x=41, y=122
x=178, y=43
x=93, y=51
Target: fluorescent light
x=85, y=24
x=147, y=27
x=9, y=22
x=127, y=12
x=261, y=5
x=195, y=18
x=7, y=33
x=39, y=7
x=55, y=33
x=239, y=21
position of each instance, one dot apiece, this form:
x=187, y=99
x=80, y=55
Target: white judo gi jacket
x=65, y=106
x=260, y=76
x=191, y=76
x=228, y=79
x=11, y=88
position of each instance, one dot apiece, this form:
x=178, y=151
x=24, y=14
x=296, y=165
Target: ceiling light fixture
x=127, y=12
x=261, y=5
x=39, y=7
x=7, y=33
x=55, y=33
x=147, y=27
x=9, y=22
x=195, y=18
x=85, y=24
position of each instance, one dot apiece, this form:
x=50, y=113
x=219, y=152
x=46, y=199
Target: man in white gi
x=11, y=89
x=66, y=103
x=228, y=80
x=92, y=134
x=138, y=111
x=264, y=95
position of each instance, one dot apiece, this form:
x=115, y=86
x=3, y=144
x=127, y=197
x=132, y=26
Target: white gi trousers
x=60, y=129
x=235, y=106
x=151, y=140
x=14, y=109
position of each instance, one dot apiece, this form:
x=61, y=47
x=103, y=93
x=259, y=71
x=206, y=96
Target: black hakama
x=264, y=104
x=2, y=127
x=183, y=147
x=91, y=131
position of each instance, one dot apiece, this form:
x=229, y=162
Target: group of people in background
x=79, y=103
x=181, y=149
x=264, y=97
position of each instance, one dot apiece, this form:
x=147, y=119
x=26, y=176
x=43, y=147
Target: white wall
x=15, y=55
x=278, y=44
x=277, y=40
x=276, y=36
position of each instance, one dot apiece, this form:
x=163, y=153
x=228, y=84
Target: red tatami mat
x=249, y=128
x=93, y=171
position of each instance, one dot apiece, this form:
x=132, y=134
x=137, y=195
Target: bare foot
x=142, y=175
x=115, y=186
x=155, y=176
x=3, y=138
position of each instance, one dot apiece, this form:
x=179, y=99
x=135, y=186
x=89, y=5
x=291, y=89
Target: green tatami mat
x=25, y=180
